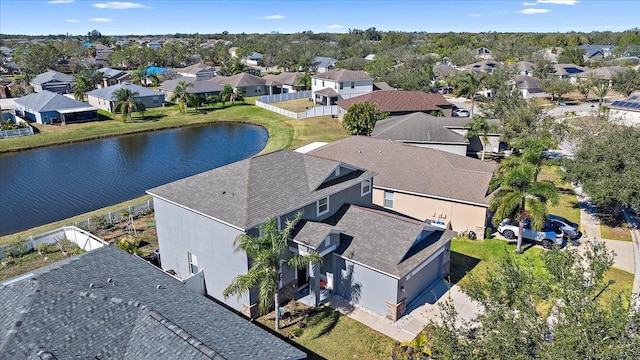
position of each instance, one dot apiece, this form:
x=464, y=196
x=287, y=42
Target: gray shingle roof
x=323, y=61
x=420, y=127
x=248, y=192
x=311, y=232
x=204, y=86
x=50, y=101
x=240, y=80
x=52, y=76
x=170, y=85
x=145, y=314
x=109, y=72
x=343, y=75
x=384, y=241
x=285, y=78
x=415, y=169
x=107, y=93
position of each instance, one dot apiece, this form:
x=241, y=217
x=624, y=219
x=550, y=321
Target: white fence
x=265, y=103
x=83, y=239
x=115, y=217
x=5, y=134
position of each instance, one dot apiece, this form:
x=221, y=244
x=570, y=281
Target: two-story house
x=329, y=87
x=112, y=77
x=377, y=259
x=53, y=81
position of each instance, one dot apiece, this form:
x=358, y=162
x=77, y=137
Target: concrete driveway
x=7, y=104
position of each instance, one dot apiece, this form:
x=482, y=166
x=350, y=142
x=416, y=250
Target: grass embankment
x=284, y=133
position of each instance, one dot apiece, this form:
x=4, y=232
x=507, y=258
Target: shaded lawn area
x=612, y=228
x=282, y=130
x=479, y=256
x=331, y=335
x=297, y=105
x=568, y=202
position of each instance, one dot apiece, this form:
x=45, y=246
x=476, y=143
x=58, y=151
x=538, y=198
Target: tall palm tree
x=126, y=103
x=600, y=91
x=226, y=94
x=82, y=84
x=480, y=127
x=304, y=82
x=519, y=197
x=468, y=84
x=266, y=252
x=180, y=95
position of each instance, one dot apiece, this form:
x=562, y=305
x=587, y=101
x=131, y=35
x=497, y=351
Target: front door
x=302, y=276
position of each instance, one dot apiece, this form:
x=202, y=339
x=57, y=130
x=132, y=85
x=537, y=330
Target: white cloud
x=529, y=4
x=100, y=20
x=72, y=20
x=60, y=1
x=119, y=5
x=272, y=17
x=560, y=2
x=500, y=12
x=475, y=15
x=335, y=26
x=533, y=11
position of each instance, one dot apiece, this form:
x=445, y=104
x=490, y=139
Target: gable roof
x=399, y=101
x=524, y=66
x=248, y=192
x=415, y=169
x=107, y=93
x=50, y=76
x=143, y=313
x=49, y=101
x=285, y=78
x=195, y=68
x=109, y=72
x=240, y=80
x=605, y=72
x=527, y=82
x=443, y=70
x=568, y=69
x=199, y=87
x=385, y=241
x=343, y=75
x=323, y=61
x=421, y=127
x=170, y=85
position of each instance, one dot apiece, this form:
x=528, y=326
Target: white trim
x=384, y=199
x=423, y=264
x=304, y=251
x=198, y=212
x=318, y=213
x=369, y=267
x=431, y=196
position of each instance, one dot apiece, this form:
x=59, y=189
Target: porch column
x=314, y=284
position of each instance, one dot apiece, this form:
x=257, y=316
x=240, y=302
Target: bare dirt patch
x=298, y=105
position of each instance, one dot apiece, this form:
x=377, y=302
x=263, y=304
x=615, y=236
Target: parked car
x=461, y=113
x=548, y=236
x=568, y=227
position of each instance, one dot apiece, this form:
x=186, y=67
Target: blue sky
x=76, y=17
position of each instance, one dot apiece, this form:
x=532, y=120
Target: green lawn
x=331, y=335
x=568, y=203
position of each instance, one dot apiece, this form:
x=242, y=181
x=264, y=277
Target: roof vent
x=109, y=280
x=223, y=192
x=92, y=285
x=159, y=287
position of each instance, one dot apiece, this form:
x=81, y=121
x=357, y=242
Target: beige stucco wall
x=462, y=217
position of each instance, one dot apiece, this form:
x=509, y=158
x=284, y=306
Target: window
x=156, y=100
x=322, y=83
x=353, y=84
x=323, y=206
x=341, y=86
x=314, y=82
x=193, y=263
x=365, y=187
x=388, y=199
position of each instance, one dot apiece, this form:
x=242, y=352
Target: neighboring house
x=626, y=112
x=596, y=52
x=530, y=87
x=112, y=76
x=6, y=51
x=382, y=86
x=205, y=88
x=483, y=53
x=442, y=70
x=168, y=86
x=47, y=107
x=321, y=64
x=253, y=58
x=200, y=71
x=108, y=304
x=400, y=102
x=154, y=45
x=568, y=72
x=53, y=81
x=427, y=184
x=602, y=73
x=329, y=87
x=104, y=99
x=10, y=67
x=440, y=133
x=251, y=85
x=5, y=88
x=524, y=67
x=376, y=259
x=289, y=81
x=486, y=66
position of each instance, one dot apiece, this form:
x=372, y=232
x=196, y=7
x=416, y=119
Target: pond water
x=45, y=185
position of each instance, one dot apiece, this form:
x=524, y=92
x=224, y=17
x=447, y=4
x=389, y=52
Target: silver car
x=569, y=228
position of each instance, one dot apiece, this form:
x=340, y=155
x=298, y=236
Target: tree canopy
x=361, y=118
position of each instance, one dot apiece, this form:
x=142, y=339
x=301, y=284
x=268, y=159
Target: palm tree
x=304, y=82
x=82, y=84
x=226, y=94
x=126, y=103
x=519, y=196
x=180, y=95
x=600, y=91
x=480, y=127
x=266, y=253
x=194, y=100
x=468, y=84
